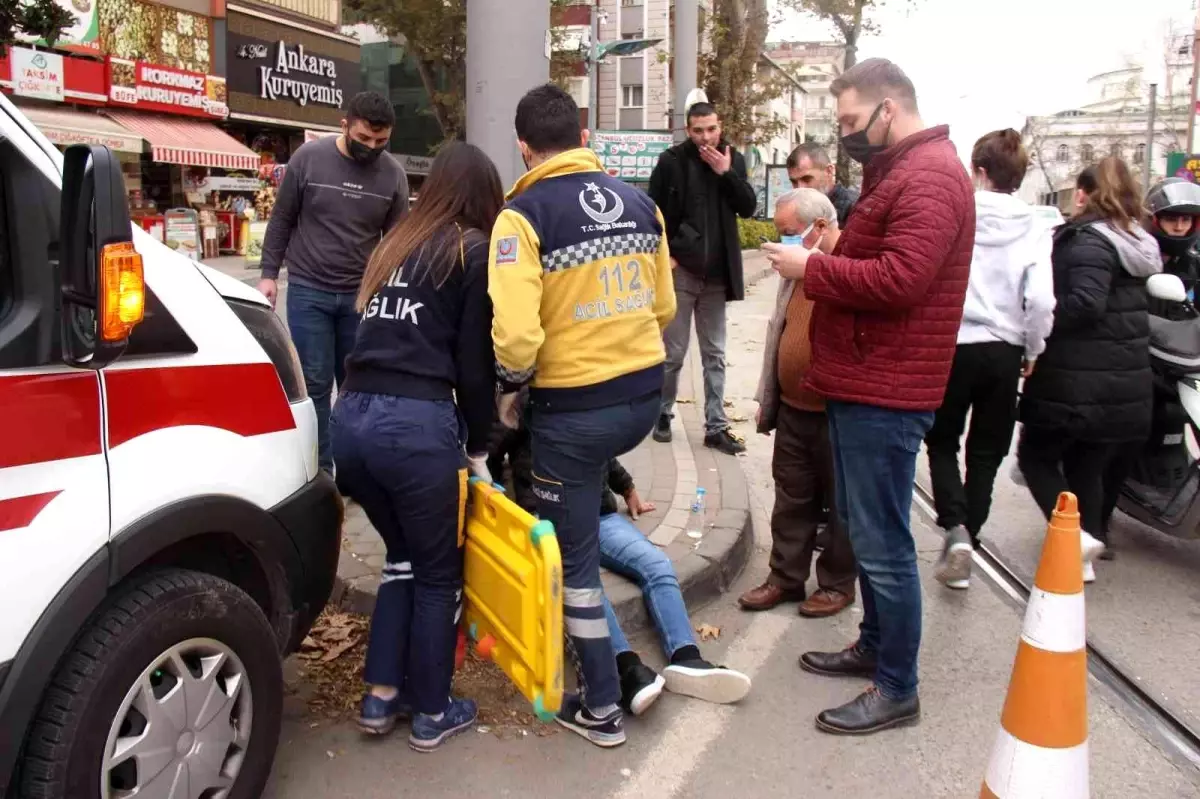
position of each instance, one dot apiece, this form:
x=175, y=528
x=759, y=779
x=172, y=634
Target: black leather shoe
x=869, y=712
x=850, y=662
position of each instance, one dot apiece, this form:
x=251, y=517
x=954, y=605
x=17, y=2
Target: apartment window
x=1087, y=154
x=1063, y=155
x=632, y=96
x=822, y=100
x=1139, y=154
x=1117, y=149
x=631, y=3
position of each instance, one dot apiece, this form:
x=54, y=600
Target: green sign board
x=1182, y=165
x=630, y=154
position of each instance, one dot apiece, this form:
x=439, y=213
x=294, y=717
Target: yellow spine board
x=513, y=592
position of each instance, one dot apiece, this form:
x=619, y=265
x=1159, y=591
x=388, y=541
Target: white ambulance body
x=165, y=533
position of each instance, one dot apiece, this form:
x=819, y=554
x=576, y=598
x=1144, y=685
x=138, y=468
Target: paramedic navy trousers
x=570, y=452
x=402, y=460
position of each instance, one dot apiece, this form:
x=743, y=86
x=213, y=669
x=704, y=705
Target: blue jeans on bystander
x=323, y=326
x=875, y=461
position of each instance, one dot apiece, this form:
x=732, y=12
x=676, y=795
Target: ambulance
x=165, y=533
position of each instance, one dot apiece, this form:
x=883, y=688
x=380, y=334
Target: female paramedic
x=398, y=435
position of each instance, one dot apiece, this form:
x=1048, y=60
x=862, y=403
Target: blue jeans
x=625, y=550
x=402, y=460
x=323, y=326
x=570, y=452
x=875, y=461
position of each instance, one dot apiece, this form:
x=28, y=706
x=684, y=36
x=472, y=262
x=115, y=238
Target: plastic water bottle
x=695, y=525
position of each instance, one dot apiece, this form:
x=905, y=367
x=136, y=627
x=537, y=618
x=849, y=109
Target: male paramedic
x=580, y=281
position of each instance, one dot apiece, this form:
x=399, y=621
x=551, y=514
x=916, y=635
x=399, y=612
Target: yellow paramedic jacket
x=580, y=280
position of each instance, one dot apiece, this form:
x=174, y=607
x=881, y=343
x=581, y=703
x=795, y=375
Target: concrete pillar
x=506, y=57
x=686, y=44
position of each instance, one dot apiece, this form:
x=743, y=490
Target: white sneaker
x=1089, y=572
x=1090, y=546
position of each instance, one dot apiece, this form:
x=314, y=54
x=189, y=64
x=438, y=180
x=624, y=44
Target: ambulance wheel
x=174, y=690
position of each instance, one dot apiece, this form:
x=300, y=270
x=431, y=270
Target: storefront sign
x=152, y=87
x=415, y=164
x=629, y=155
x=279, y=72
x=83, y=79
x=211, y=183
x=37, y=74
x=298, y=76
x=82, y=35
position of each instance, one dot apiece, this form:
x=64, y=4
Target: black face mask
x=1174, y=246
x=858, y=146
x=362, y=153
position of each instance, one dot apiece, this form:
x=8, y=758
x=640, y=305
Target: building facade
x=817, y=65
x=1114, y=121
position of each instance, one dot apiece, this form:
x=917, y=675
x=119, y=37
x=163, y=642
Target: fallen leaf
x=737, y=417
x=309, y=643
x=684, y=402
x=336, y=652
x=728, y=403
x=707, y=632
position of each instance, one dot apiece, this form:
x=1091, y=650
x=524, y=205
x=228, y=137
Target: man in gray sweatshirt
x=338, y=198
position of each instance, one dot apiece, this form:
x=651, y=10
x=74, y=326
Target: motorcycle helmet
x=1176, y=197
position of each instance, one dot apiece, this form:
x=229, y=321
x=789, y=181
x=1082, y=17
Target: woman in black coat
x=1092, y=391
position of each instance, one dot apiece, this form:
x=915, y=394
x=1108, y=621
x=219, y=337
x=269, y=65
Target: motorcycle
x=1163, y=486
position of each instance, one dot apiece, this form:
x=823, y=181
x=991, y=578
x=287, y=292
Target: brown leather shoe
x=825, y=602
x=767, y=596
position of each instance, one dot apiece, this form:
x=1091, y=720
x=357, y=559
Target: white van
x=165, y=533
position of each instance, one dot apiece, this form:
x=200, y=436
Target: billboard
x=630, y=154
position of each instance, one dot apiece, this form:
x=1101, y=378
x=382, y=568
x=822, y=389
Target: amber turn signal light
x=122, y=291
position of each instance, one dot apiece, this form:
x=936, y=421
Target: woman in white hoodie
x=1008, y=314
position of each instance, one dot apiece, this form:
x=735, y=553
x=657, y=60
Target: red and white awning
x=187, y=141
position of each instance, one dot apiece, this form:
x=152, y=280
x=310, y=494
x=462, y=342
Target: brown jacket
x=769, y=394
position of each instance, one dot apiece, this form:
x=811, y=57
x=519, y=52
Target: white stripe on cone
x=1018, y=770
x=1055, y=622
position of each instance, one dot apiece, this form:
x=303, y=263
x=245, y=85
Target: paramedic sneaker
x=953, y=568
x=428, y=733
x=640, y=688
x=606, y=731
x=1089, y=572
x=1090, y=546
x=378, y=716
x=702, y=680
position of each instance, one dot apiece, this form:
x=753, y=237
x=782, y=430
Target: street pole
x=1195, y=85
x=686, y=45
x=1148, y=165
x=594, y=68
x=505, y=58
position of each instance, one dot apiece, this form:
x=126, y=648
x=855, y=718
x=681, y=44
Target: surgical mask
x=362, y=153
x=858, y=145
x=798, y=241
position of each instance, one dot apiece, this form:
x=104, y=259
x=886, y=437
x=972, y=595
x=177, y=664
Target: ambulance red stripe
x=19, y=512
x=244, y=398
x=48, y=417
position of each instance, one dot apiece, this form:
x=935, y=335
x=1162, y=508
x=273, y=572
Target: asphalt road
x=1145, y=602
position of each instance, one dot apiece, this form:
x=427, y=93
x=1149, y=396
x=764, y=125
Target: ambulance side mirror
x=103, y=290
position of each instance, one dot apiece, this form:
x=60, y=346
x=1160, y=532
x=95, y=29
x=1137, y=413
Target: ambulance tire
x=156, y=612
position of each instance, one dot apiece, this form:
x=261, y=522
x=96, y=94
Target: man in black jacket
x=809, y=167
x=701, y=188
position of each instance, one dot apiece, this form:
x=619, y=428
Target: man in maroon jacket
x=888, y=305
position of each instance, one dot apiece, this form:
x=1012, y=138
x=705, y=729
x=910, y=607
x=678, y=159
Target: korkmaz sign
x=284, y=80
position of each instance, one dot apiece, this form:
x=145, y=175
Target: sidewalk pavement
x=666, y=474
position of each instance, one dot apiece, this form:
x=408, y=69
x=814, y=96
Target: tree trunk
x=842, y=175
x=425, y=71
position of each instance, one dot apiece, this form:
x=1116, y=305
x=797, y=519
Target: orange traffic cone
x=1042, y=748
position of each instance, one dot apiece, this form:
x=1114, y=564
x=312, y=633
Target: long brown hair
x=1116, y=198
x=463, y=190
